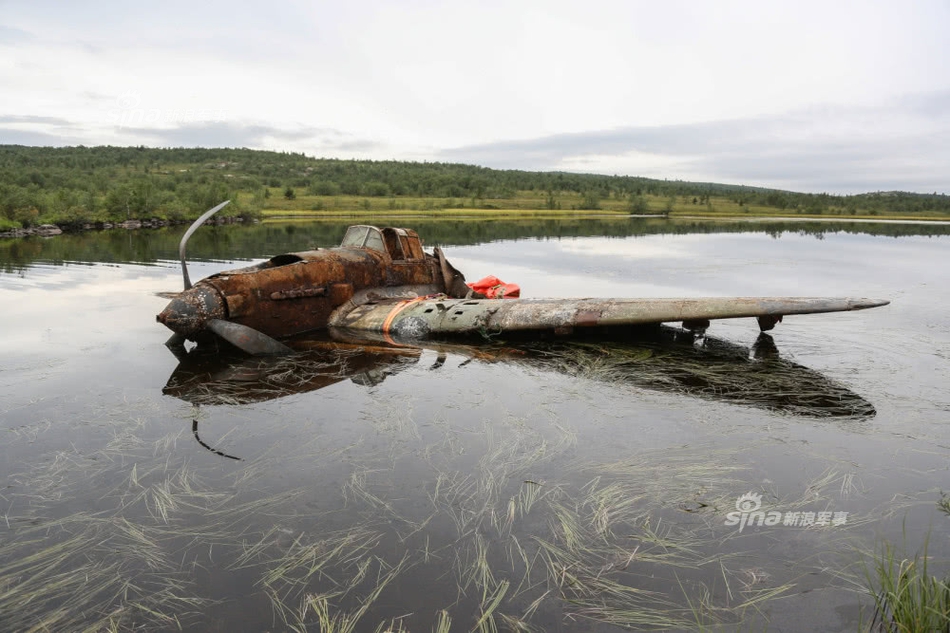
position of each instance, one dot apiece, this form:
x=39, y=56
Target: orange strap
x=399, y=307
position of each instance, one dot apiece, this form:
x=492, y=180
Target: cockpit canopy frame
x=399, y=244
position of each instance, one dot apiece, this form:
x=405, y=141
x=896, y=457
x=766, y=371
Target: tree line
x=76, y=185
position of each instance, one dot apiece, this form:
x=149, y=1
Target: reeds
x=907, y=597
x=91, y=572
x=501, y=510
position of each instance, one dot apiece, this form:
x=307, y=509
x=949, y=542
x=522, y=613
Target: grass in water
x=505, y=524
x=907, y=597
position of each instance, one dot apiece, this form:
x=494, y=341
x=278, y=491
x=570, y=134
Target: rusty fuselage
x=294, y=293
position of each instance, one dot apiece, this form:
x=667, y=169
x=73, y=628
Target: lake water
x=561, y=487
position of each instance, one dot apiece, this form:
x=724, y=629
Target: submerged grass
x=100, y=573
x=316, y=609
x=126, y=563
x=506, y=525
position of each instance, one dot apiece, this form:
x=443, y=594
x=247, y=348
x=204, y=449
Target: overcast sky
x=830, y=96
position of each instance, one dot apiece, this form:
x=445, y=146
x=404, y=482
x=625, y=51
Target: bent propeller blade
x=187, y=235
x=246, y=338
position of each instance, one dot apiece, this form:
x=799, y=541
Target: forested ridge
x=79, y=185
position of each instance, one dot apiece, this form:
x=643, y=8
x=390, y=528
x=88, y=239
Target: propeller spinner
x=202, y=309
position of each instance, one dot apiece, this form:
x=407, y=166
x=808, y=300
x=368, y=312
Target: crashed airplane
x=381, y=280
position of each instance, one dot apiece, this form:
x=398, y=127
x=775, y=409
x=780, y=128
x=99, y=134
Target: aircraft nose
x=188, y=312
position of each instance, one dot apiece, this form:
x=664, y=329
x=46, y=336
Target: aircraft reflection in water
x=667, y=360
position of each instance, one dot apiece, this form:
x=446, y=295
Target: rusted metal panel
x=235, y=305
x=340, y=293
x=297, y=292
x=414, y=244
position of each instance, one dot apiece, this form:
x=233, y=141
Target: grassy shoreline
x=528, y=205
x=513, y=214
x=535, y=204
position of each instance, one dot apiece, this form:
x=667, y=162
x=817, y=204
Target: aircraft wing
x=421, y=317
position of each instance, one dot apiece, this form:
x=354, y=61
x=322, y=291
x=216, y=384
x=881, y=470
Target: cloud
x=902, y=145
x=10, y=36
x=912, y=163
x=210, y=134
x=27, y=118
x=931, y=104
x=12, y=136
x=228, y=134
x=550, y=151
x=747, y=92
x=27, y=129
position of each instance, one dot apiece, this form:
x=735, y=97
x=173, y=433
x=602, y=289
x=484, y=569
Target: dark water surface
x=562, y=487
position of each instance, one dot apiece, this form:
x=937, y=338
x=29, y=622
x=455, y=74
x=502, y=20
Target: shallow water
x=569, y=488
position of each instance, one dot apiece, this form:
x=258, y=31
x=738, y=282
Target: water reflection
x=216, y=243
x=557, y=486
x=662, y=359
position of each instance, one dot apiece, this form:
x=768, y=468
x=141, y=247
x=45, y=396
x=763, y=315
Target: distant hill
x=73, y=185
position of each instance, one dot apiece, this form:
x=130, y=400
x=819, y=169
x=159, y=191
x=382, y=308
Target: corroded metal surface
x=290, y=298
x=382, y=281
x=189, y=311
x=294, y=293
x=298, y=293
x=247, y=339
x=423, y=317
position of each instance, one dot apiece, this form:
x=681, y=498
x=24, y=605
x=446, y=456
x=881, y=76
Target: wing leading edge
x=418, y=318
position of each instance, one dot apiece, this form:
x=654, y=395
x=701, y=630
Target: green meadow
x=533, y=204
